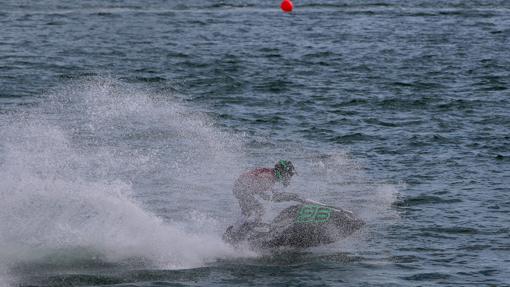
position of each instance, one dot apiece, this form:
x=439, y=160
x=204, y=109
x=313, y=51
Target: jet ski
x=303, y=225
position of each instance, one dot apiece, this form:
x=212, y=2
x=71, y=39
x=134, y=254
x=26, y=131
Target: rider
x=260, y=182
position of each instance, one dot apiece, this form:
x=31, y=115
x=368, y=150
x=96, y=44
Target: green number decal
x=311, y=213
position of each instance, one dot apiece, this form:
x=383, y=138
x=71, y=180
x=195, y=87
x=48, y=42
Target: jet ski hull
x=298, y=226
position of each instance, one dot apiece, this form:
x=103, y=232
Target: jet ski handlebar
x=310, y=201
x=289, y=196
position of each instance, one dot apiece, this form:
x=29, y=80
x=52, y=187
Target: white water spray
x=69, y=167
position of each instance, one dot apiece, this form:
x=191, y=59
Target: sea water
x=123, y=126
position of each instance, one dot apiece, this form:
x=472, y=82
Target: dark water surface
x=124, y=123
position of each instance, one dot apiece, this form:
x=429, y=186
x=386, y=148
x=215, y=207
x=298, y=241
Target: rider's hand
x=293, y=197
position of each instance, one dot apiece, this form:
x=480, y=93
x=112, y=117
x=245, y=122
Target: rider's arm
x=265, y=195
x=285, y=196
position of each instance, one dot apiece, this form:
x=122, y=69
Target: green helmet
x=283, y=171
